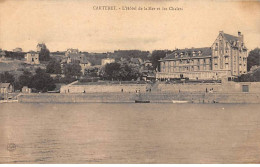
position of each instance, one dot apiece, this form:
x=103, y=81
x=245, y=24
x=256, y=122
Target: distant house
x=84, y=64
x=17, y=50
x=107, y=61
x=25, y=89
x=41, y=46
x=71, y=52
x=32, y=58
x=75, y=58
x=148, y=75
x=6, y=88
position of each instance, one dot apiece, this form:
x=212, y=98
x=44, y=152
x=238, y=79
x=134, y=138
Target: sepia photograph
x=129, y=82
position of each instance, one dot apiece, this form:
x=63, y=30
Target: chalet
x=32, y=57
x=6, y=88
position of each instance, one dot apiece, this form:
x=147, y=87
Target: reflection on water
x=129, y=133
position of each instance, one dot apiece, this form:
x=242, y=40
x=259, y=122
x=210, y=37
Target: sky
x=63, y=24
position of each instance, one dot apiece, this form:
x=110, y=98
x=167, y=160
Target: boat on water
x=8, y=101
x=142, y=101
x=179, y=101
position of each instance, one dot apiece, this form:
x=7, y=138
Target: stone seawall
x=104, y=88
x=228, y=87
x=161, y=97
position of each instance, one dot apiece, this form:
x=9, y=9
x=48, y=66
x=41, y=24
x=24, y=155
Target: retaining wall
x=132, y=88
x=156, y=97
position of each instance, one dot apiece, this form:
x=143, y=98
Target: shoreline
x=177, y=98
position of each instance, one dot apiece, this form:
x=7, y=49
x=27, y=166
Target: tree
x=253, y=58
x=156, y=56
x=53, y=67
x=24, y=80
x=250, y=77
x=44, y=54
x=72, y=70
x=14, y=55
x=122, y=72
x=42, y=81
x=111, y=71
x=6, y=77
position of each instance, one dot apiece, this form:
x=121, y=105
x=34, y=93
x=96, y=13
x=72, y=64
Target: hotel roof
x=230, y=38
x=206, y=51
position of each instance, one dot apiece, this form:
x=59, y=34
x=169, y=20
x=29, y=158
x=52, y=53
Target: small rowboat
x=179, y=101
x=142, y=101
x=8, y=101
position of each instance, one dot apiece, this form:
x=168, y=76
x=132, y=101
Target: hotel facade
x=226, y=58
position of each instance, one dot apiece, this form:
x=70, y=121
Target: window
x=226, y=59
x=226, y=65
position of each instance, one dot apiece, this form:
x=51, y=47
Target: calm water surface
x=129, y=133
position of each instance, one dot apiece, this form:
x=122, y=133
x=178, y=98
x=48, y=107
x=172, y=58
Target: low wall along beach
x=230, y=92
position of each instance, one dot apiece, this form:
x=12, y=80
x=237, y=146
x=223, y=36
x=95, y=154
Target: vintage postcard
x=129, y=82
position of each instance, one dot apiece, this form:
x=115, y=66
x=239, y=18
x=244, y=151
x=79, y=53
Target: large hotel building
x=227, y=57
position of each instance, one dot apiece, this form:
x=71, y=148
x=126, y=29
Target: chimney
x=221, y=32
x=240, y=37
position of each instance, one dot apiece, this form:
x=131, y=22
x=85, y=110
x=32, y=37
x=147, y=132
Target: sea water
x=129, y=133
